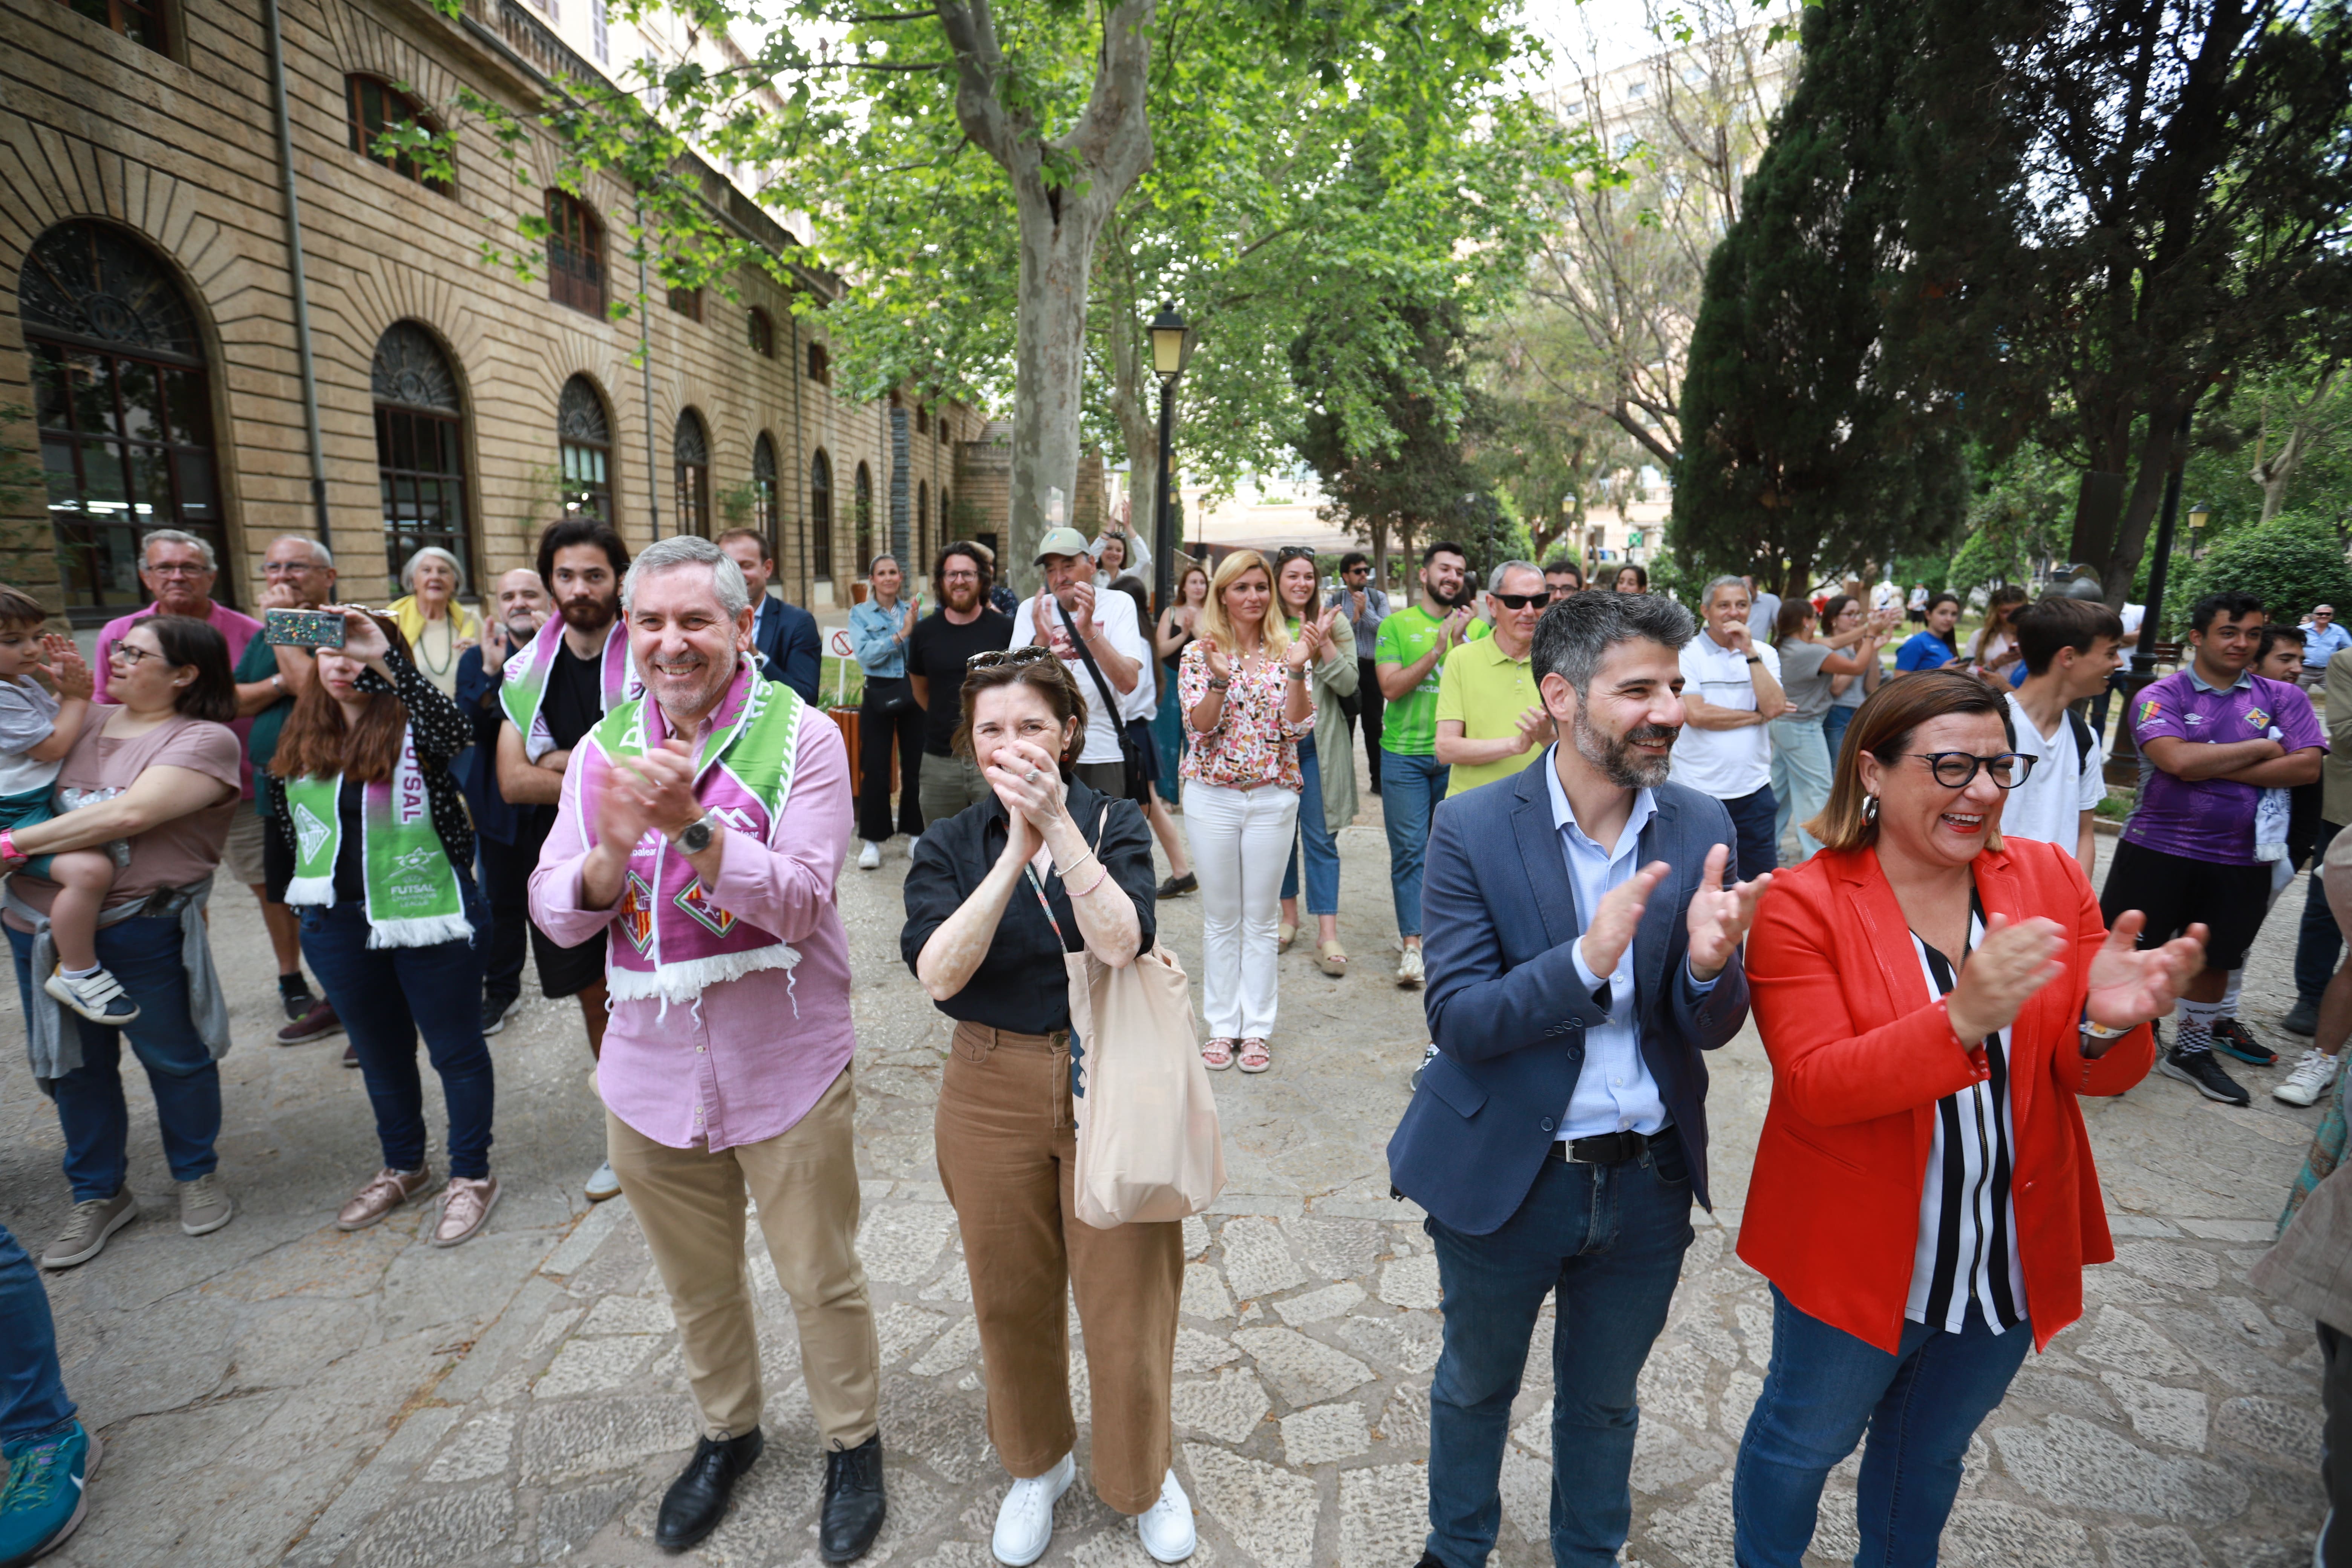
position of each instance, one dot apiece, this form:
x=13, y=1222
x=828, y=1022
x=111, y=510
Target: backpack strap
x=2085, y=744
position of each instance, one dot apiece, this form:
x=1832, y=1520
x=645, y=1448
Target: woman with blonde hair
x=438, y=629
x=1242, y=687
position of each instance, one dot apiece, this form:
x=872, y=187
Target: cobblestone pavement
x=282, y=1391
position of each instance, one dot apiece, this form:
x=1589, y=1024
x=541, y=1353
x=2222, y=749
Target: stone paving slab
x=280, y=1392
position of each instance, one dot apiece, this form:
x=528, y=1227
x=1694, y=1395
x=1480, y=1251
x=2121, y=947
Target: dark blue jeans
x=386, y=996
x=1824, y=1388
x=33, y=1400
x=1415, y=783
x=1609, y=1240
x=144, y=955
x=1321, y=850
x=2318, y=941
x=1754, y=819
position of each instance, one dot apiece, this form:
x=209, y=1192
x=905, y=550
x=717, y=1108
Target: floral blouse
x=1251, y=745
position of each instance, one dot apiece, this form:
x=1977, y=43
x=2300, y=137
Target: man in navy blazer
x=1582, y=939
x=783, y=634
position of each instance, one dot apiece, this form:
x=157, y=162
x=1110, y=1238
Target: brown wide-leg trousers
x=1008, y=1156
x=690, y=1202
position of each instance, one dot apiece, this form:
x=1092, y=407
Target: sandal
x=1254, y=1056
x=1285, y=934
x=1218, y=1054
x=1331, y=959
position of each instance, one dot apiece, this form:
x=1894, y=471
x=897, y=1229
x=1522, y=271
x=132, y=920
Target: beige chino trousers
x=690, y=1202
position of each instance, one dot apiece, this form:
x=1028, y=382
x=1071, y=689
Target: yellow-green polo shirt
x=1486, y=691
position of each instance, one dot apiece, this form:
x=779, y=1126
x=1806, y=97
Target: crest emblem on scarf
x=636, y=913
x=309, y=830
x=696, y=903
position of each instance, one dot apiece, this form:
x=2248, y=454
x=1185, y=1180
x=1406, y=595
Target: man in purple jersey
x=2215, y=735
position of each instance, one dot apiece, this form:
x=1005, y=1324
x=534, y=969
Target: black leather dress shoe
x=853, y=1501
x=697, y=1501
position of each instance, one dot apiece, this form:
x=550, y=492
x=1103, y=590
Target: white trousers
x=1241, y=841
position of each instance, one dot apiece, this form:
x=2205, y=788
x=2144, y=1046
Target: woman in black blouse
x=361, y=789
x=989, y=917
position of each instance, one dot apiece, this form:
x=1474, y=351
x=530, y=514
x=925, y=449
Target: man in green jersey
x=1411, y=647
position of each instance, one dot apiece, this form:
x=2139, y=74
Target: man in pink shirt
x=703, y=825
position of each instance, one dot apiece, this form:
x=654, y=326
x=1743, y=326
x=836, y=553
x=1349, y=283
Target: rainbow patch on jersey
x=2150, y=710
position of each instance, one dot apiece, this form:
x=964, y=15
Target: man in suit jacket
x=785, y=635
x=1583, y=948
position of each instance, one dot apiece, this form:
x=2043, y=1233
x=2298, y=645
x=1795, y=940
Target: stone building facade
x=150, y=333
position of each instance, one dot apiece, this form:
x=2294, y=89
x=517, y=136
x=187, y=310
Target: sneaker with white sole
x=2313, y=1077
x=98, y=997
x=204, y=1204
x=2201, y=1072
x=47, y=1491
x=1409, y=971
x=86, y=1228
x=1025, y=1520
x=870, y=857
x=1166, y=1527
x=603, y=1184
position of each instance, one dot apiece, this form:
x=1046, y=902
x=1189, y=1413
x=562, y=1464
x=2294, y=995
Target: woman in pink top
x=1243, y=686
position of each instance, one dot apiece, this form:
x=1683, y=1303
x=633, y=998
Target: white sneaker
x=2314, y=1076
x=603, y=1184
x=918, y=838
x=1166, y=1528
x=1409, y=972
x=870, y=857
x=1025, y=1520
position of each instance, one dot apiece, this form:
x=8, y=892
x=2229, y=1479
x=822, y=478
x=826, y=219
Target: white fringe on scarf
x=683, y=983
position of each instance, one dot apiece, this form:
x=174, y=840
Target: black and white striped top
x=1968, y=1220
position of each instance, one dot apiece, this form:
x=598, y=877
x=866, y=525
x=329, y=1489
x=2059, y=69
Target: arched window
x=687, y=302
x=763, y=488
x=922, y=535
x=762, y=334
x=141, y=21
x=922, y=419
x=690, y=447
x=420, y=447
x=583, y=439
x=820, y=516
x=947, y=516
x=124, y=411
x=376, y=107
x=863, y=501
x=575, y=254
x=819, y=365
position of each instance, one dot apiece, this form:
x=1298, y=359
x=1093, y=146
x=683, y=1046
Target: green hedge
x=2292, y=563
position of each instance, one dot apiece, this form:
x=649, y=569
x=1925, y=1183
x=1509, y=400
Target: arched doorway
x=420, y=449
x=123, y=404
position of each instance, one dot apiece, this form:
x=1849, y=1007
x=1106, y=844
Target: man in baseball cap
x=1099, y=637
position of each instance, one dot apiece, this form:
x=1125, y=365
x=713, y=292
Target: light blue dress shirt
x=1614, y=1092
x=2318, y=647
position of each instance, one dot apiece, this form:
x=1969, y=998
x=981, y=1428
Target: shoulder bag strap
x=1110, y=704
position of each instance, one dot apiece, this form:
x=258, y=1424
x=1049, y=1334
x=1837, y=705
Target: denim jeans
x=1834, y=723
x=1753, y=817
x=1800, y=782
x=384, y=996
x=1824, y=1388
x=1315, y=838
x=2320, y=941
x=33, y=1400
x=143, y=953
x=1609, y=1240
x=1413, y=784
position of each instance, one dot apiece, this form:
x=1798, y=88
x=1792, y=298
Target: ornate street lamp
x=1171, y=345
x=2198, y=512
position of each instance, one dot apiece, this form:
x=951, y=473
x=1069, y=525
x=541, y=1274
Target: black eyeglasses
x=1958, y=770
x=1521, y=601
x=1028, y=653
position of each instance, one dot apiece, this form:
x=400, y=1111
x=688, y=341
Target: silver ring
x=1030, y=778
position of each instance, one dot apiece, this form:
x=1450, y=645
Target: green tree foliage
x=2292, y=562
x=2016, y=519
x=2115, y=205
x=1805, y=444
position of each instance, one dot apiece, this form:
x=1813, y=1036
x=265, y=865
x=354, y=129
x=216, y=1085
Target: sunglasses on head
x=1521, y=601
x=1290, y=553
x=1028, y=653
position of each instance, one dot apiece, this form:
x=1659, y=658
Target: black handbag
x=887, y=696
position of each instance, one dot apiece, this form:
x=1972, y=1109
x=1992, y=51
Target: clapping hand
x=2007, y=968
x=656, y=790
x=1611, y=930
x=1535, y=729
x=1082, y=611
x=67, y=672
x=1719, y=916
x=2127, y=985
x=1220, y=666
x=1456, y=619
x=1029, y=783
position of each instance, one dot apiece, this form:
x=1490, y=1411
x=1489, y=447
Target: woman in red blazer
x=1933, y=1000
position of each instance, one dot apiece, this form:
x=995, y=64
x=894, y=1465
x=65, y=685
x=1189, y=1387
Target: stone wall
x=178, y=147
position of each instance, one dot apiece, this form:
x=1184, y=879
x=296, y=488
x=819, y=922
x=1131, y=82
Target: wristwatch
x=1755, y=659
x=694, y=837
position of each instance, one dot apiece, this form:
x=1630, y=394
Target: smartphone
x=302, y=628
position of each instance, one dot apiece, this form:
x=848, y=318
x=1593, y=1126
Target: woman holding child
x=156, y=768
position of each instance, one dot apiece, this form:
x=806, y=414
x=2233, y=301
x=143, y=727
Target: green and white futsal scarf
x=414, y=896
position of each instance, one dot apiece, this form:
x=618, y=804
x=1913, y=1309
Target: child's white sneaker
x=97, y=996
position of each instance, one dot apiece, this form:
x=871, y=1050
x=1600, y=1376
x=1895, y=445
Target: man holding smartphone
x=298, y=572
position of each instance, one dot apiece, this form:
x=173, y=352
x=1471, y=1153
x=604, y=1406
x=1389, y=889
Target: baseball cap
x=1061, y=541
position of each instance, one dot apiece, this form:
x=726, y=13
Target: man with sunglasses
x=1490, y=718
x=1364, y=608
x=2212, y=738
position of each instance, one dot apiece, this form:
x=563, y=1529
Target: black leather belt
x=1605, y=1149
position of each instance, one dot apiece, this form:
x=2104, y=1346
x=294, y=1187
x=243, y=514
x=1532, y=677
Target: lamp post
x=2122, y=759
x=2198, y=512
x=1171, y=345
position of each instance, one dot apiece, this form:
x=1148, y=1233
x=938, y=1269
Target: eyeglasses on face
x=1029, y=653
x=1958, y=770
x=131, y=654
x=1521, y=601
